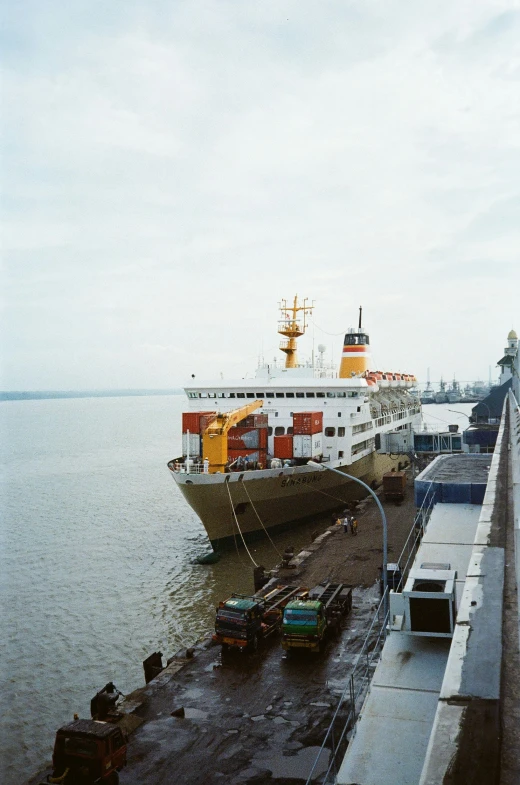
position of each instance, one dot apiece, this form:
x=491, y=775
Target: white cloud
x=172, y=171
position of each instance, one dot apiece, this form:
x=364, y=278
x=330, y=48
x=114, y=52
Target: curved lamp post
x=322, y=467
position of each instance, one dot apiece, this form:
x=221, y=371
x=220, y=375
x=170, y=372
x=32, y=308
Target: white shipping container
x=307, y=445
x=194, y=444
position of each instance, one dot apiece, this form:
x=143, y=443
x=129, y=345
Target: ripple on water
x=96, y=560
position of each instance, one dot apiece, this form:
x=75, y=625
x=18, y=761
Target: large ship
x=247, y=443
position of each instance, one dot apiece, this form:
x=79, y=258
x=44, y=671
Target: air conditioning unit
x=393, y=442
x=429, y=601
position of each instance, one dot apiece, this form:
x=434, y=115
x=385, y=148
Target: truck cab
x=238, y=622
x=304, y=625
x=87, y=752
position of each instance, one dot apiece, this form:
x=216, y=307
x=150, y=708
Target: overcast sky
x=171, y=170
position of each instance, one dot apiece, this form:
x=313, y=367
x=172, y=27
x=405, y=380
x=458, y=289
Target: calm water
x=96, y=560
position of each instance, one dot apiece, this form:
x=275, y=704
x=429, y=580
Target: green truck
x=308, y=621
x=242, y=621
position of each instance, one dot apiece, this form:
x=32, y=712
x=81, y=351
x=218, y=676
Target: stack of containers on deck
x=193, y=426
x=248, y=440
x=308, y=434
x=283, y=447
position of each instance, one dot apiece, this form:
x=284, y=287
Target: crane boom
x=214, y=438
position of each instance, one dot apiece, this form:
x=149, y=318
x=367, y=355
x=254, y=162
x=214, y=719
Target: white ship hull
x=237, y=506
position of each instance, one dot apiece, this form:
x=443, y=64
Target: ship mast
x=292, y=327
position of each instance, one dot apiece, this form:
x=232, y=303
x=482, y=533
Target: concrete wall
x=464, y=745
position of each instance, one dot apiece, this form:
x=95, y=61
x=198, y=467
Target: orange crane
x=214, y=438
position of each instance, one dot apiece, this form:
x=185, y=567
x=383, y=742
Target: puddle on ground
x=195, y=714
x=296, y=765
x=194, y=692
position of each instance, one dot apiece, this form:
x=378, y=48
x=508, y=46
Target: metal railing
x=336, y=739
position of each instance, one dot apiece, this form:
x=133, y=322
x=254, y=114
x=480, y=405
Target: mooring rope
x=260, y=520
x=238, y=527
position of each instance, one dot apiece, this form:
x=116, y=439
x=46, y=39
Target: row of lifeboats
x=385, y=379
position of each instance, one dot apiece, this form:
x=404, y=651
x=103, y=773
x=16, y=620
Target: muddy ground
x=261, y=718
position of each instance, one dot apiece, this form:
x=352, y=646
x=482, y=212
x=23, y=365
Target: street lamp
x=322, y=467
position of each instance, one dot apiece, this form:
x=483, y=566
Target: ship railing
x=181, y=468
x=351, y=700
x=336, y=739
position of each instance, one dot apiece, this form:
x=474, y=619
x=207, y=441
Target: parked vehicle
x=307, y=622
x=87, y=752
x=394, y=484
x=242, y=621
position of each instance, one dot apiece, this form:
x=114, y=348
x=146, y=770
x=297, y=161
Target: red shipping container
x=205, y=420
x=283, y=446
x=307, y=423
x=256, y=421
x=191, y=421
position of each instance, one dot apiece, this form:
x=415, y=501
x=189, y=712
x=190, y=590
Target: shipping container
x=191, y=447
x=256, y=421
x=191, y=421
x=394, y=484
x=307, y=446
x=283, y=446
x=247, y=438
x=307, y=422
x=205, y=420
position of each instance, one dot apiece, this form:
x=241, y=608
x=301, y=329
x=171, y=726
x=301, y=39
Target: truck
x=88, y=752
x=308, y=621
x=394, y=484
x=242, y=621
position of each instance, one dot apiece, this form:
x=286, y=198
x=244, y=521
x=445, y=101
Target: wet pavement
x=262, y=717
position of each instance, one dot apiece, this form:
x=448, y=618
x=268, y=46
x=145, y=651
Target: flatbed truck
x=307, y=621
x=242, y=621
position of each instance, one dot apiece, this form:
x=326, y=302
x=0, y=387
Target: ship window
x=260, y=395
x=300, y=395
x=289, y=395
x=212, y=395
x=340, y=454
x=309, y=395
x=331, y=395
x=250, y=395
x=269, y=395
x=203, y=395
x=192, y=395
x=269, y=430
x=279, y=430
x=222, y=395
x=330, y=431
x=290, y=430
x=241, y=395
x=341, y=394
x=339, y=414
x=320, y=395
x=341, y=432
x=231, y=395
x=279, y=395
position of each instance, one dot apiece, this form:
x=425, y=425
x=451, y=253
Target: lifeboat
x=394, y=381
x=371, y=379
x=385, y=379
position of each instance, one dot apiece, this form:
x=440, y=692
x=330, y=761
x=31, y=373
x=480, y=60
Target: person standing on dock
x=206, y=465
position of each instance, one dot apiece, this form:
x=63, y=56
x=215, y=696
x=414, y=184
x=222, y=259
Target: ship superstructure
x=245, y=457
